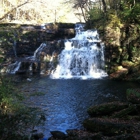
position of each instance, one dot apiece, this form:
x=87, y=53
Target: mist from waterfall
x=82, y=57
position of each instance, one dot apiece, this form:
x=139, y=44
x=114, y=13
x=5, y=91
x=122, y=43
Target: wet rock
x=108, y=126
x=115, y=120
x=106, y=109
x=83, y=135
x=127, y=113
x=133, y=95
x=37, y=136
x=124, y=137
x=119, y=74
x=58, y=135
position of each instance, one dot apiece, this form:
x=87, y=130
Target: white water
x=38, y=51
x=82, y=57
x=14, y=67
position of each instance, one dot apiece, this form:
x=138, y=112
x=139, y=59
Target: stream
x=65, y=101
x=77, y=82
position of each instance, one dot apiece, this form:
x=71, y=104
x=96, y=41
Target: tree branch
x=6, y=14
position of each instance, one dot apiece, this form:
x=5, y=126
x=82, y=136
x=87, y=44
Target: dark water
x=65, y=102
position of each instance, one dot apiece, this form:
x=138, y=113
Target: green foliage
x=8, y=96
x=114, y=20
x=133, y=91
x=8, y=35
x=136, y=13
x=133, y=95
x=95, y=14
x=17, y=120
x=130, y=12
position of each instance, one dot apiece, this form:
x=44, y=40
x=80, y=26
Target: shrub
x=17, y=120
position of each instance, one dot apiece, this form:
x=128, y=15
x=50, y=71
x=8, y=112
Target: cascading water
x=13, y=68
x=38, y=51
x=82, y=57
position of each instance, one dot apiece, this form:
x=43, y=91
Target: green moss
x=135, y=92
x=106, y=109
x=127, y=63
x=114, y=21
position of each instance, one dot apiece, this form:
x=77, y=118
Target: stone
x=58, y=134
x=133, y=95
x=106, y=109
x=108, y=127
x=37, y=136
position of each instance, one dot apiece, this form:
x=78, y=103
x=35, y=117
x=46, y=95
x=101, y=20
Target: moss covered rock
x=108, y=126
x=106, y=109
x=133, y=95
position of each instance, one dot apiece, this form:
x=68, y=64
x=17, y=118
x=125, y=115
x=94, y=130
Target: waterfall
x=82, y=57
x=15, y=67
x=38, y=51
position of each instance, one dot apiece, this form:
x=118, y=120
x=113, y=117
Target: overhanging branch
x=20, y=5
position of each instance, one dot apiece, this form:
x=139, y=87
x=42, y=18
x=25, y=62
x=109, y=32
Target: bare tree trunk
x=83, y=13
x=5, y=15
x=134, y=2
x=100, y=5
x=104, y=6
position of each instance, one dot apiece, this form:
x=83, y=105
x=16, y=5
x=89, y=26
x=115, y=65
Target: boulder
x=108, y=127
x=58, y=135
x=133, y=95
x=106, y=109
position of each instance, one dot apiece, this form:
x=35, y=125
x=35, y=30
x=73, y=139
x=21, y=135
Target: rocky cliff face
x=122, y=50
x=28, y=40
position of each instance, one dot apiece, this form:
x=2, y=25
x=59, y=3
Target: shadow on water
x=65, y=102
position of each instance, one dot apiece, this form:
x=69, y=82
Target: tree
x=11, y=7
x=84, y=5
x=36, y=11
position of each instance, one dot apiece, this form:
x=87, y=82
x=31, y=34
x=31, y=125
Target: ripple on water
x=65, y=102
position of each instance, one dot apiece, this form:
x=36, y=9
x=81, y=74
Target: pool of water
x=65, y=102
